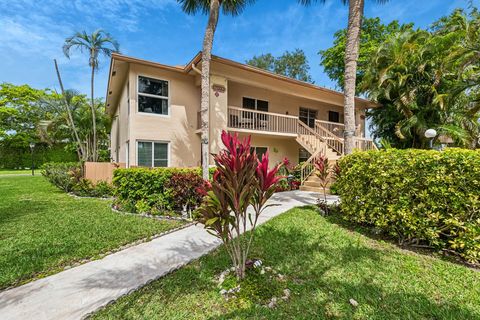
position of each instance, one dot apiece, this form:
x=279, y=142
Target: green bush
x=68, y=177
x=157, y=190
x=420, y=197
x=60, y=174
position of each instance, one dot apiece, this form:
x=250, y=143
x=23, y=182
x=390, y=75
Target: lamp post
x=32, y=146
x=431, y=134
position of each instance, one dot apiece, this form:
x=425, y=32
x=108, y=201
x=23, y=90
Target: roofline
x=197, y=58
x=108, y=83
x=121, y=57
x=280, y=77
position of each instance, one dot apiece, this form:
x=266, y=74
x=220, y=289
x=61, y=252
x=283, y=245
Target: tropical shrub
x=60, y=174
x=420, y=197
x=157, y=190
x=292, y=174
x=184, y=189
x=241, y=180
x=68, y=177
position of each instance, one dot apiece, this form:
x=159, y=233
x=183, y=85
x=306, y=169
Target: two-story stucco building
x=156, y=113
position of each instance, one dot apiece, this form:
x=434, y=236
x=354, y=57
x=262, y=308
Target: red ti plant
x=322, y=170
x=336, y=171
x=241, y=186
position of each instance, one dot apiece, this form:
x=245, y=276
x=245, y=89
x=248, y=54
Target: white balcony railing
x=240, y=118
x=280, y=124
x=364, y=144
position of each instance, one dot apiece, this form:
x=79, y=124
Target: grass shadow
x=325, y=265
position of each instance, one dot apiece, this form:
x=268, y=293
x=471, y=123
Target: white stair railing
x=314, y=144
x=333, y=141
x=307, y=137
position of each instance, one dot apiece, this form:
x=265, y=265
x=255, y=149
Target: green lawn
x=43, y=229
x=326, y=265
x=22, y=171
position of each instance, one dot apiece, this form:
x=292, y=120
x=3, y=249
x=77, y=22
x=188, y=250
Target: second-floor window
x=255, y=104
x=333, y=116
x=308, y=116
x=153, y=96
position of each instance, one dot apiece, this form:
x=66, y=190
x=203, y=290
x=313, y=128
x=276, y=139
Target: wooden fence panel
x=101, y=171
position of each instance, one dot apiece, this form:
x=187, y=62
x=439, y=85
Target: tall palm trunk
x=355, y=13
x=205, y=103
x=94, y=117
x=80, y=150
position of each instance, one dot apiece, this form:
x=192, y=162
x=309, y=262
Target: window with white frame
x=152, y=154
x=153, y=96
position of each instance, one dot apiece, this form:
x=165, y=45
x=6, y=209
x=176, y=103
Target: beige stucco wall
x=235, y=74
x=120, y=129
x=218, y=113
x=178, y=128
x=279, y=102
x=278, y=147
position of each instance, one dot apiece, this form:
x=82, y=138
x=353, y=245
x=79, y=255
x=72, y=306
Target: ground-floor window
x=152, y=154
x=303, y=155
x=260, y=151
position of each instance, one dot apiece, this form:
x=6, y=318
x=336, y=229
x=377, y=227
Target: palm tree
x=355, y=14
x=66, y=95
x=99, y=42
x=212, y=8
x=414, y=79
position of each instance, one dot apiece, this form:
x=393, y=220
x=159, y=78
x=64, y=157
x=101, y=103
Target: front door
x=308, y=116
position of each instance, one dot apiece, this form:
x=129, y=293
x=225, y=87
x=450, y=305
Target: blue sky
x=32, y=33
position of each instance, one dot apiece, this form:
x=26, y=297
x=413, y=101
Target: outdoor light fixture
x=32, y=146
x=430, y=134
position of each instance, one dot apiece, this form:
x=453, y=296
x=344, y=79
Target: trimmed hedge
x=147, y=190
x=18, y=157
x=421, y=197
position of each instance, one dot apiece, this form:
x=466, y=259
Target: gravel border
x=71, y=194
x=150, y=216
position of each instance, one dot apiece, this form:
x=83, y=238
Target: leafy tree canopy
x=20, y=112
x=373, y=33
x=291, y=64
x=427, y=79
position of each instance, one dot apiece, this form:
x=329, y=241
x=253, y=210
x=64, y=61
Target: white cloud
x=33, y=32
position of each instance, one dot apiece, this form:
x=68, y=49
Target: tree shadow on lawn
x=373, y=304
x=322, y=277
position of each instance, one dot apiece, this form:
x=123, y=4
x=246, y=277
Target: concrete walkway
x=77, y=292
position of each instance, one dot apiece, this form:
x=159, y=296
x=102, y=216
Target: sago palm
x=212, y=9
x=95, y=44
x=355, y=14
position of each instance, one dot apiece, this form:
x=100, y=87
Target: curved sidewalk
x=77, y=292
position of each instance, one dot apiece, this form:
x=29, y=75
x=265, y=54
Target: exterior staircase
x=317, y=141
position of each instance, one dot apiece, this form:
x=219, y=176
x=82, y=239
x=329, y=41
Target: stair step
x=313, y=189
x=314, y=183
